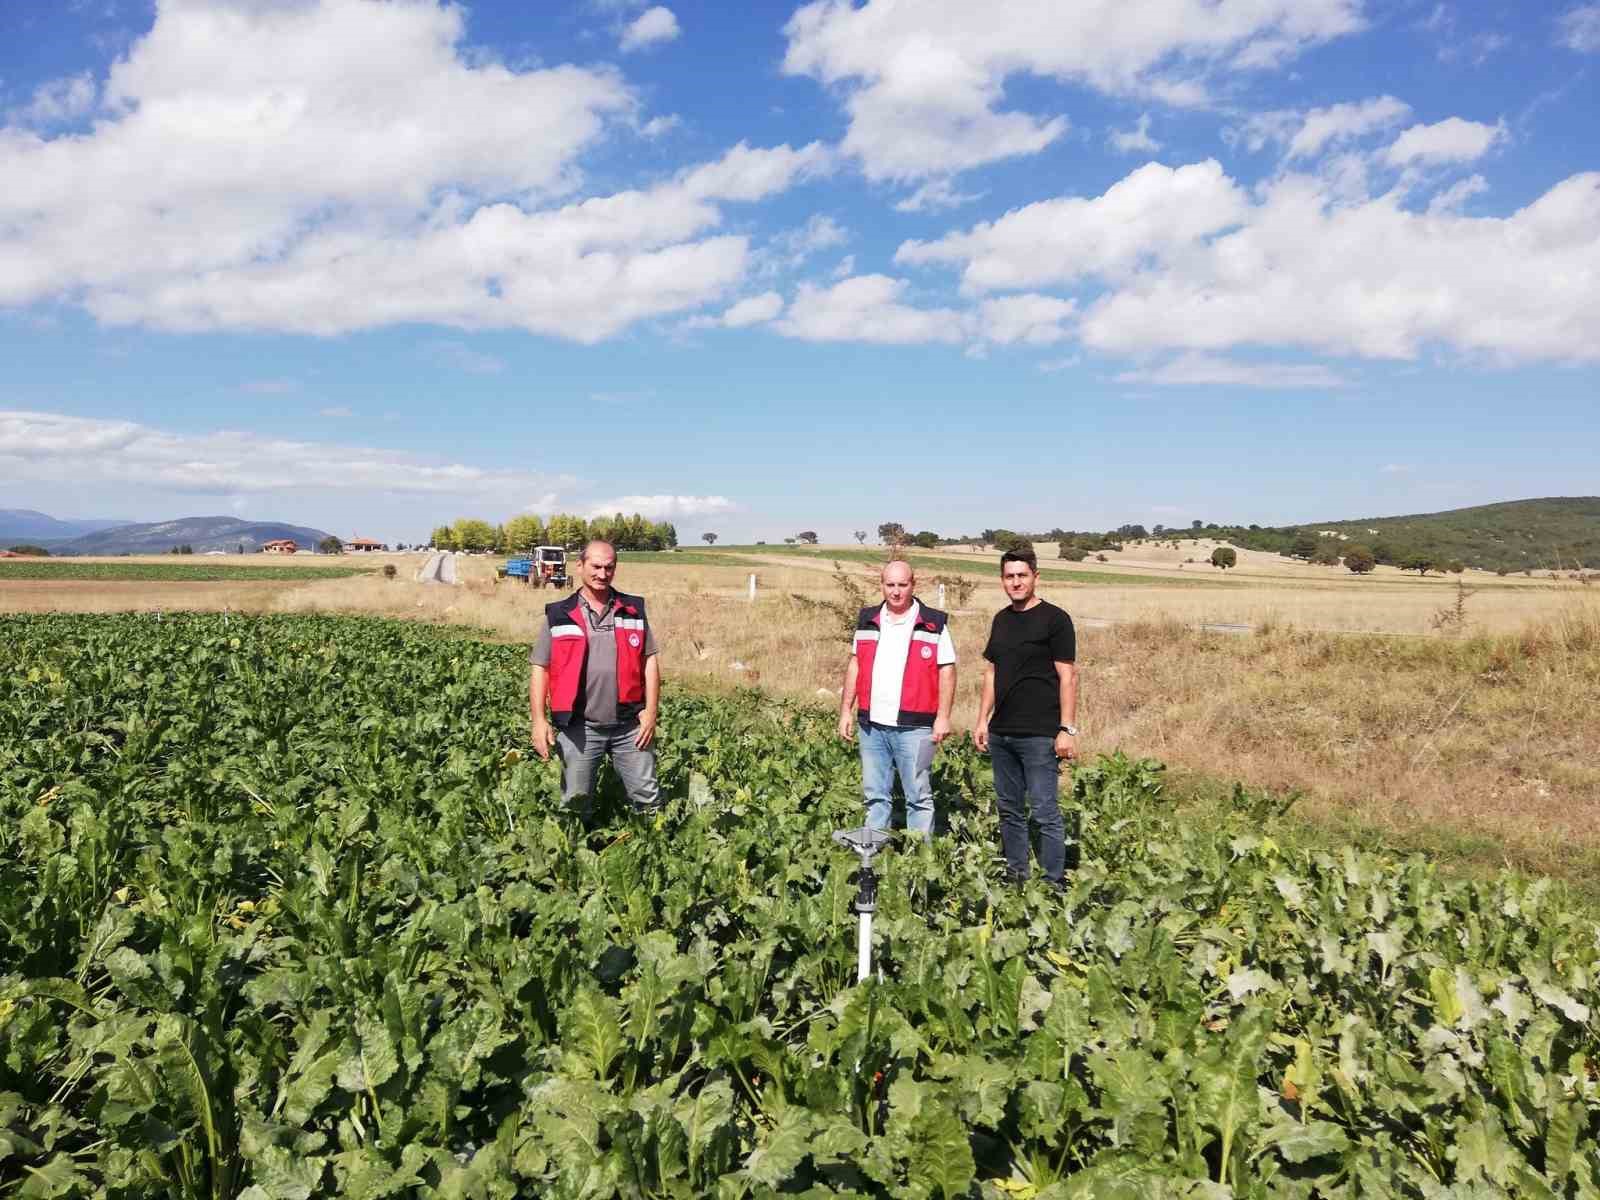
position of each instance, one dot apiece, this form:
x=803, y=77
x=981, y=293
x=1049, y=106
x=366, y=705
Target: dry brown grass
x=1485, y=741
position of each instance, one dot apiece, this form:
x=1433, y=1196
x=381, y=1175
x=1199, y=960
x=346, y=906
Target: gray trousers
x=582, y=745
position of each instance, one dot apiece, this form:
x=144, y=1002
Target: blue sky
x=369, y=266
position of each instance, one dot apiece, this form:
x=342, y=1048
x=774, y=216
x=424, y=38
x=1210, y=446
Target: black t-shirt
x=1025, y=648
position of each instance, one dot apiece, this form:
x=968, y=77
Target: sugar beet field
x=285, y=911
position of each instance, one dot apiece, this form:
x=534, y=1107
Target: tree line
x=523, y=532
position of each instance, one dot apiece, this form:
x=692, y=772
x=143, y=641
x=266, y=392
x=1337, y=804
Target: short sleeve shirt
x=889, y=661
x=1025, y=648
x=598, y=699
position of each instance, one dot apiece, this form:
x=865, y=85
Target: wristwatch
x=1070, y=730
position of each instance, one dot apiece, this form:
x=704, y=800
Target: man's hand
x=980, y=736
x=542, y=741
x=646, y=733
x=847, y=725
x=941, y=729
x=1066, y=746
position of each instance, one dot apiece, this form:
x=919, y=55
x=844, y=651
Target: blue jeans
x=908, y=751
x=1026, y=778
x=582, y=746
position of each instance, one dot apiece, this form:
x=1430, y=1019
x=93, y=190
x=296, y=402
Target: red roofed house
x=365, y=545
x=280, y=546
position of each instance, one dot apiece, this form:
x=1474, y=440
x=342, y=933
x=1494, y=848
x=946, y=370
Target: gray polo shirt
x=599, y=665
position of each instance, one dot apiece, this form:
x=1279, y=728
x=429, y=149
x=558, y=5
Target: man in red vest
x=596, y=669
x=898, y=687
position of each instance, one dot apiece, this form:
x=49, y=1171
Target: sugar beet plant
x=285, y=911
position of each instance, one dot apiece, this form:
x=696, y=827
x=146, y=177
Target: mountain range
x=159, y=537
x=26, y=525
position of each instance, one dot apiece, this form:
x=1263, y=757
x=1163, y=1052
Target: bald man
x=900, y=682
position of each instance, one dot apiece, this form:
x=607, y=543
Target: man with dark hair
x=1026, y=716
x=898, y=688
x=594, y=665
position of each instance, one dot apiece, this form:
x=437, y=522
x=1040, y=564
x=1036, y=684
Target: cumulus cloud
x=1185, y=260
x=1206, y=369
x=753, y=310
x=866, y=308
x=1448, y=141
x=311, y=186
x=1028, y=319
x=1579, y=28
x=924, y=84
x=50, y=447
x=650, y=28
x=665, y=508
x=1136, y=140
x=58, y=101
x=1146, y=215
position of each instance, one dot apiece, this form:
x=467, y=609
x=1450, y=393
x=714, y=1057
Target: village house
x=365, y=545
x=280, y=546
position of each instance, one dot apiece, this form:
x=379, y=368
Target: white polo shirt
x=889, y=662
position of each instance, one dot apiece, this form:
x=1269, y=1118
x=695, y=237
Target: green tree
x=31, y=550
x=1327, y=554
x=1005, y=539
x=1224, y=557
x=1305, y=546
x=861, y=537
x=1455, y=566
x=567, y=530
x=891, y=533
x=709, y=539
x=471, y=534
x=808, y=536
x=330, y=545
x=523, y=532
x=1420, y=563
x=443, y=538
x=1072, y=552
x=926, y=539
x=1359, y=559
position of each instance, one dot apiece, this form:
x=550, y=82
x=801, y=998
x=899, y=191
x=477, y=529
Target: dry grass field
x=1474, y=737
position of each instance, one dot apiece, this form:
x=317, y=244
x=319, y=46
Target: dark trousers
x=1026, y=779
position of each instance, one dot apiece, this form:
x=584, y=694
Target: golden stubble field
x=1475, y=736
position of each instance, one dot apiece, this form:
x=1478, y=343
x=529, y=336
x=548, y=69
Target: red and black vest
x=569, y=653
x=919, y=686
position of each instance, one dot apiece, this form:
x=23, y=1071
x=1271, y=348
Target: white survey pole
x=941, y=595
x=752, y=587
x=864, y=949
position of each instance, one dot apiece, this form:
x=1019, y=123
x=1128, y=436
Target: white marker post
x=752, y=587
x=941, y=595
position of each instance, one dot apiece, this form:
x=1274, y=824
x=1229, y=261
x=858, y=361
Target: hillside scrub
x=287, y=911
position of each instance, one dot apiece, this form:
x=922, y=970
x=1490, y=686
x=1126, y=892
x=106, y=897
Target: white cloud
x=936, y=194
x=1153, y=210
x=1457, y=194
x=1579, y=28
x=659, y=126
x=924, y=84
x=1136, y=140
x=663, y=508
x=791, y=248
x=866, y=308
x=1338, y=123
x=1187, y=261
x=1447, y=141
x=1051, y=365
x=310, y=185
x=1205, y=369
x=651, y=27
x=59, y=100
x=1028, y=319
x=753, y=310
x=50, y=447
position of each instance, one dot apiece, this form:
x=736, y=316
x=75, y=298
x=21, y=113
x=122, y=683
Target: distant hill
x=26, y=525
x=202, y=533
x=1553, y=533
